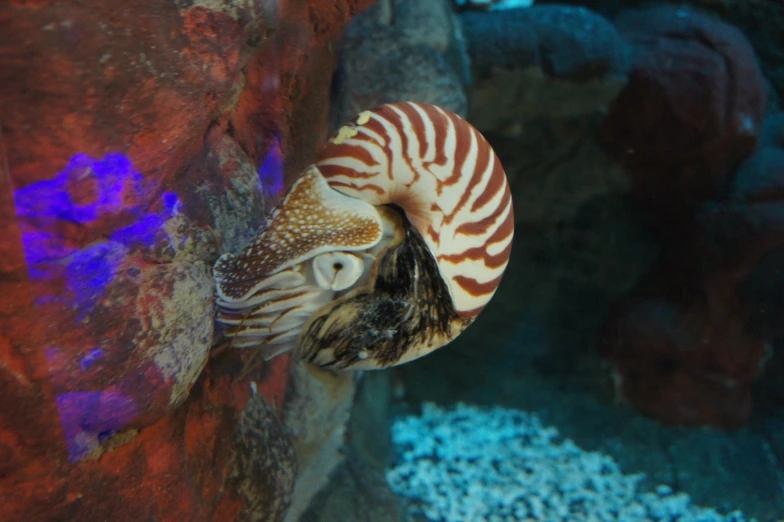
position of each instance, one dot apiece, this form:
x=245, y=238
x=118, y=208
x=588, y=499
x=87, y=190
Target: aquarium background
x=635, y=283
x=629, y=367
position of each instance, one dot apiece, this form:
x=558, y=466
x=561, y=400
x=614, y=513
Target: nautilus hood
x=384, y=250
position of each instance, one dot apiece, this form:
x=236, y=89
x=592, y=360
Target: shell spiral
x=445, y=177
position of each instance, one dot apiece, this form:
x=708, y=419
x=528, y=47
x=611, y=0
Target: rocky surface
x=401, y=50
x=139, y=141
x=358, y=490
x=682, y=358
x=542, y=61
x=542, y=78
x=692, y=339
x=689, y=342
x=691, y=112
x=317, y=413
x=584, y=242
x=747, y=225
x=265, y=466
x=762, y=21
x=746, y=221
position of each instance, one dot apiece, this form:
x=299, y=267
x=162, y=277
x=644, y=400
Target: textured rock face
x=401, y=50
x=692, y=109
x=694, y=337
x=140, y=140
x=358, y=490
x=542, y=79
x=542, y=60
x=265, y=467
x=316, y=412
x=691, y=340
x=685, y=361
x=762, y=21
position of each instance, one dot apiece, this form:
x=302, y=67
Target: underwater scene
x=391, y=261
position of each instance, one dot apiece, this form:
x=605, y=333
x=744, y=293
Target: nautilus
x=384, y=250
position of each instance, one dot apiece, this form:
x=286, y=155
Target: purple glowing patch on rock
x=90, y=418
x=89, y=359
x=145, y=231
x=83, y=192
x=171, y=202
x=271, y=170
x=90, y=271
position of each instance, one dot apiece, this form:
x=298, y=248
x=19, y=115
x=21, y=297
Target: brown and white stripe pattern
x=447, y=179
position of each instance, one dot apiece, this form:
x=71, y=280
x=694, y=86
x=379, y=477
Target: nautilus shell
x=384, y=250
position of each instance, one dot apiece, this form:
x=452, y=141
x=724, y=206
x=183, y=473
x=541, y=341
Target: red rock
x=291, y=75
x=691, y=111
x=749, y=225
x=680, y=343
x=127, y=154
x=691, y=342
x=683, y=364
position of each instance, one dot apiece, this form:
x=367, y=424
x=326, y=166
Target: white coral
x=471, y=464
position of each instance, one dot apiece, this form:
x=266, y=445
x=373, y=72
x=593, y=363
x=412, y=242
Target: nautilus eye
x=383, y=251
x=337, y=270
x=267, y=292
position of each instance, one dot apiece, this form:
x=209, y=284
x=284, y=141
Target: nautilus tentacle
x=266, y=293
x=383, y=251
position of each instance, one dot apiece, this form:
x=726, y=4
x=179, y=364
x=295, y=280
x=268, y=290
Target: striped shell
x=384, y=250
x=445, y=177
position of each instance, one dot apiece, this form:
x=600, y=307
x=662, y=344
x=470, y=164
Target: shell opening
x=337, y=270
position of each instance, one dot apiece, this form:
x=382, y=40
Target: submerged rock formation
x=691, y=112
x=550, y=60
x=139, y=141
x=401, y=50
x=693, y=337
